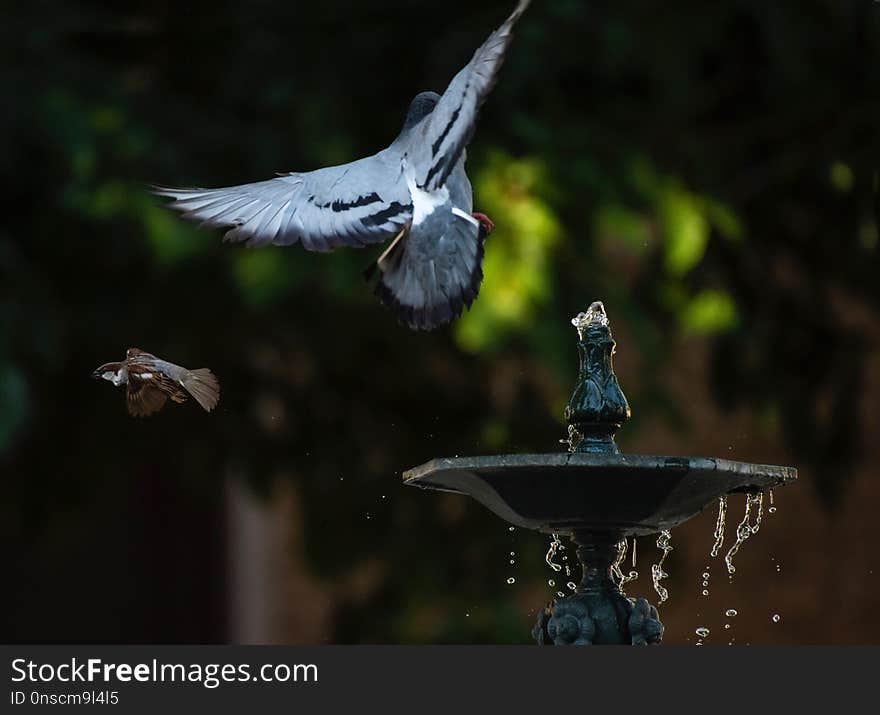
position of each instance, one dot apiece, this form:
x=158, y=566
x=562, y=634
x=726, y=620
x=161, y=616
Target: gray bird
x=414, y=193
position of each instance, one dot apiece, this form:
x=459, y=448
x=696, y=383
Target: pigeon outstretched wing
x=355, y=204
x=438, y=143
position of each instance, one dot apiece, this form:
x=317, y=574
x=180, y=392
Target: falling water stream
x=657, y=572
x=744, y=530
x=617, y=575
x=719, y=525
x=555, y=543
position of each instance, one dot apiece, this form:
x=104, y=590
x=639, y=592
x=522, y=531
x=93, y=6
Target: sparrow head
x=111, y=371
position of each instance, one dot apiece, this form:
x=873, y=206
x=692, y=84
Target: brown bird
x=150, y=381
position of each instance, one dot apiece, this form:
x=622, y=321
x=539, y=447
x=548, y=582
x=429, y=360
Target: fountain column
x=598, y=612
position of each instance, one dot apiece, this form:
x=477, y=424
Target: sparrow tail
x=204, y=388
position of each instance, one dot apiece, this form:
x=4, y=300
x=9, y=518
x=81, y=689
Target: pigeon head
x=421, y=106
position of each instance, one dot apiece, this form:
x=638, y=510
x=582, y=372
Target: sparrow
x=414, y=194
x=150, y=381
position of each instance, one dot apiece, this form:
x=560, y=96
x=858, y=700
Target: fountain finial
x=597, y=407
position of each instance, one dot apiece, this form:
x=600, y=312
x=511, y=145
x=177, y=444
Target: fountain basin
x=623, y=494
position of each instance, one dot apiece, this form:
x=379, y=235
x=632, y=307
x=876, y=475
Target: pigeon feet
x=486, y=224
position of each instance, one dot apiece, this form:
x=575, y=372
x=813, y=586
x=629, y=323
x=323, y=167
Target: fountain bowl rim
x=599, y=462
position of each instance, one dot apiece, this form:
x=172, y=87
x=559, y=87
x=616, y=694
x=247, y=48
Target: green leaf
x=709, y=312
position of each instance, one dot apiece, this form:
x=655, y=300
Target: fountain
x=598, y=497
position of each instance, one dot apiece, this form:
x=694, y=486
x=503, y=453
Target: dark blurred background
x=709, y=170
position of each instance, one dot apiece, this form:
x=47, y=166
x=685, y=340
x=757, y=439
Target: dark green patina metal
x=597, y=497
x=597, y=407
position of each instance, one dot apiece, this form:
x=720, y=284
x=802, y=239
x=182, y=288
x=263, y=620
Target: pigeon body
x=414, y=194
x=151, y=381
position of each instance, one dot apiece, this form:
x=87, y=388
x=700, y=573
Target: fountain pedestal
x=596, y=496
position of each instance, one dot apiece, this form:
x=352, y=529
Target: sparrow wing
x=147, y=392
x=356, y=204
x=144, y=399
x=436, y=148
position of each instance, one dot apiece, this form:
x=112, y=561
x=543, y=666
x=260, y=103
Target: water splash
x=595, y=315
x=657, y=572
x=702, y=631
x=555, y=543
x=617, y=575
x=706, y=582
x=719, y=525
x=573, y=440
x=744, y=530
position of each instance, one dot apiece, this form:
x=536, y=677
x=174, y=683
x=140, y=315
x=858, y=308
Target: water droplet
x=705, y=593
x=705, y=584
x=772, y=510
x=726, y=626
x=560, y=594
x=775, y=618
x=511, y=580
x=512, y=553
x=706, y=575
x=699, y=643
x=512, y=562
x=730, y=612
x=551, y=582
x=702, y=631
x=571, y=585
x=467, y=615
x=511, y=528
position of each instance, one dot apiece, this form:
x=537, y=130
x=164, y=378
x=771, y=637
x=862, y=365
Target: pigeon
x=150, y=381
x=414, y=194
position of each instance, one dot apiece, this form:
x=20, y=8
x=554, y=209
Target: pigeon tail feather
x=428, y=291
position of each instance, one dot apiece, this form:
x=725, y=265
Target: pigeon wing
x=355, y=204
x=441, y=139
